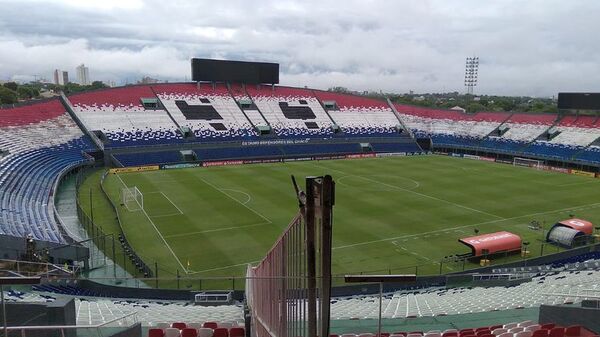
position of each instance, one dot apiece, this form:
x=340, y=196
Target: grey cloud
x=527, y=48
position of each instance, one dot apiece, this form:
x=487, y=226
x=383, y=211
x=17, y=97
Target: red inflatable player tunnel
x=493, y=243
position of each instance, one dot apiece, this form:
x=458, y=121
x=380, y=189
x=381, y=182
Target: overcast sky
x=525, y=47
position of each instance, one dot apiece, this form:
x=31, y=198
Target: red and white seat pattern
x=195, y=329
x=119, y=113
x=434, y=121
x=576, y=131
x=522, y=329
x=239, y=94
x=359, y=112
x=218, y=97
x=268, y=98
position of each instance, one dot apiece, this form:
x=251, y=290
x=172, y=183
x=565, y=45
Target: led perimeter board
x=234, y=71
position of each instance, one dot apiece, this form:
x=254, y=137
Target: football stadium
x=236, y=205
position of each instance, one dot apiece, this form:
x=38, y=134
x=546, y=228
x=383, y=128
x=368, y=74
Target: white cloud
x=536, y=47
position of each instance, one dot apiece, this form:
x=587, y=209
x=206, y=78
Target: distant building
x=61, y=77
x=457, y=108
x=83, y=75
x=148, y=80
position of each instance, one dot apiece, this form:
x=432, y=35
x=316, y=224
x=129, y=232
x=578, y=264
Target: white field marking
x=172, y=203
x=577, y=183
x=340, y=180
x=420, y=194
x=395, y=243
x=165, y=215
x=224, y=267
x=217, y=230
x=234, y=199
x=249, y=198
x=415, y=236
x=159, y=233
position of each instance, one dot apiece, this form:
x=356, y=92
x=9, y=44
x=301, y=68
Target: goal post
x=132, y=198
x=526, y=162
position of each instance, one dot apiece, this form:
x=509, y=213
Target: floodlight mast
x=471, y=70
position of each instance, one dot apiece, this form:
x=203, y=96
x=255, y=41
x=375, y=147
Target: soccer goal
x=132, y=198
x=528, y=162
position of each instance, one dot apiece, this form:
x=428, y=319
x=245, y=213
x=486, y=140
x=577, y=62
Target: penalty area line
x=217, y=230
x=159, y=233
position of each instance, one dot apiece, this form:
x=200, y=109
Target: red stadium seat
x=573, y=331
x=156, y=333
x=548, y=326
x=557, y=332
x=179, y=325
x=220, y=332
x=212, y=325
x=189, y=332
x=540, y=333
x=450, y=334
x=237, y=332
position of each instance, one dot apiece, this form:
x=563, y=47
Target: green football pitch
x=394, y=214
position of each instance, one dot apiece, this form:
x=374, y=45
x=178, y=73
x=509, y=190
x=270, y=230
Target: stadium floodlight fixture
x=471, y=70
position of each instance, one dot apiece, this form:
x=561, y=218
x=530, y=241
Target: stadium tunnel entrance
x=570, y=233
x=490, y=244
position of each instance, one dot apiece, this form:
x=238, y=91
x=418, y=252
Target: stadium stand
x=434, y=302
x=211, y=113
x=360, y=116
x=148, y=158
x=292, y=112
x=42, y=142
x=513, y=329
x=451, y=123
x=121, y=116
x=93, y=310
x=252, y=113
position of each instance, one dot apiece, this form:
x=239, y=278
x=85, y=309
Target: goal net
x=527, y=162
x=132, y=198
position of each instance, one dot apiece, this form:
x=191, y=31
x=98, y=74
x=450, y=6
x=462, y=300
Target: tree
x=338, y=89
x=24, y=93
x=7, y=96
x=11, y=85
x=98, y=85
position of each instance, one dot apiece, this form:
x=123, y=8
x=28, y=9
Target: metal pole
x=156, y=273
x=113, y=256
x=91, y=206
x=4, y=311
x=380, y=305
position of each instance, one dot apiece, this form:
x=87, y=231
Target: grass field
x=391, y=214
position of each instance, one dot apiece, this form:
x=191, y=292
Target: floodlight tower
x=471, y=68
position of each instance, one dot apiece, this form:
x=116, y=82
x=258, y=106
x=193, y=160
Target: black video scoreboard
x=234, y=71
x=578, y=101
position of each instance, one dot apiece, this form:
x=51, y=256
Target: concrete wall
x=566, y=316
